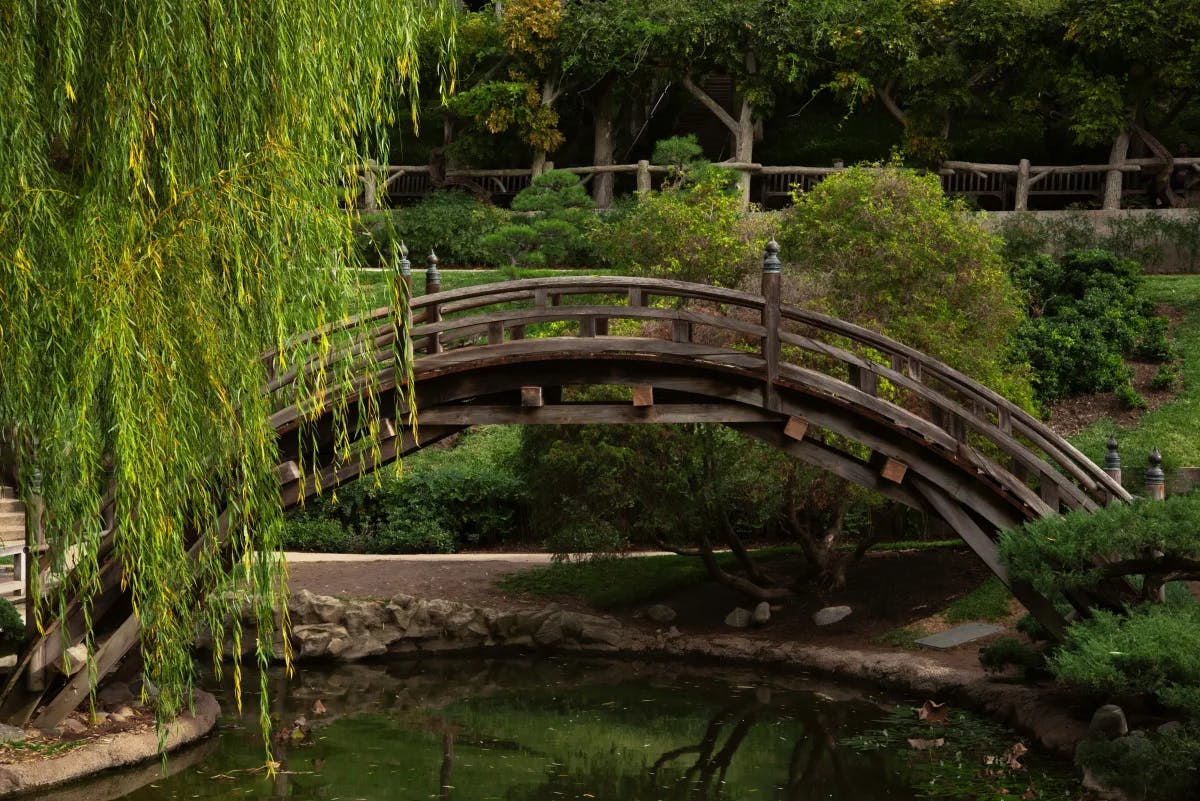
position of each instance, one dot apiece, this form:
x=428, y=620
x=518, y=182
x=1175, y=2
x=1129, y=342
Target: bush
x=12, y=628
x=320, y=535
x=1153, y=649
x=552, y=227
x=444, y=500
x=1164, y=377
x=1008, y=651
x=1160, y=767
x=1087, y=313
x=450, y=221
x=894, y=254
x=689, y=231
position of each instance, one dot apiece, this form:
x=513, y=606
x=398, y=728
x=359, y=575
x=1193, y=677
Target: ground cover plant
x=1170, y=428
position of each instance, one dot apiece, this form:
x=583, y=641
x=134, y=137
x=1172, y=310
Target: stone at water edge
x=830, y=615
x=1169, y=727
x=1109, y=722
x=114, y=695
x=762, y=613
x=11, y=734
x=73, y=726
x=660, y=613
x=739, y=618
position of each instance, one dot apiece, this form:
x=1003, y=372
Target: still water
x=535, y=730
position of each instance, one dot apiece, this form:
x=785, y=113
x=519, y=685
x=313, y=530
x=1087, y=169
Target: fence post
x=643, y=178
x=1156, y=481
x=433, y=312
x=405, y=268
x=1021, y=201
x=772, y=277
x=1112, y=460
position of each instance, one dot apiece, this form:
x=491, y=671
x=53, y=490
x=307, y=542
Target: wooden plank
x=288, y=471
x=78, y=688
x=796, y=428
x=643, y=395
x=894, y=470
x=531, y=396
x=495, y=333
x=596, y=413
x=587, y=326
x=681, y=331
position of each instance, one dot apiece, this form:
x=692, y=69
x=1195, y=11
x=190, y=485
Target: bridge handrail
x=428, y=329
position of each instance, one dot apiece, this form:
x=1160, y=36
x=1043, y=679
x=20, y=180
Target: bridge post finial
x=1112, y=460
x=433, y=279
x=771, y=279
x=1156, y=480
x=405, y=267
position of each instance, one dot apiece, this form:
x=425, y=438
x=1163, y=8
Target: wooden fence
x=1000, y=187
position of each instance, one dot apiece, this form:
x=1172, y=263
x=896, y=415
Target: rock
x=115, y=695
x=327, y=609
x=660, y=613
x=362, y=647
x=1169, y=727
x=762, y=613
x=1108, y=723
x=137, y=685
x=73, y=726
x=672, y=632
x=550, y=632
x=314, y=639
x=73, y=660
x=11, y=734
x=830, y=615
x=362, y=616
x=739, y=618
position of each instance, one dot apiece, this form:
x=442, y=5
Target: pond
x=543, y=730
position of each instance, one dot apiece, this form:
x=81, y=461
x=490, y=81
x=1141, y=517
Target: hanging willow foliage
x=174, y=186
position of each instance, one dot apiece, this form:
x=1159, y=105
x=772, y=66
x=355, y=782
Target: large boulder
x=1108, y=723
x=830, y=615
x=739, y=618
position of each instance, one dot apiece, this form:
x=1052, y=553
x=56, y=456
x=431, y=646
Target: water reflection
x=544, y=730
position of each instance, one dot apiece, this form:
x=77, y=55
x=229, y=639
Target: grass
x=990, y=601
x=1172, y=427
x=904, y=637
x=611, y=583
x=616, y=582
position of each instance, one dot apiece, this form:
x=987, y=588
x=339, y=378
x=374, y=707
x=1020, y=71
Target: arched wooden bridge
x=830, y=393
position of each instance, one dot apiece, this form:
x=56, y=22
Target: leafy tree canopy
x=171, y=184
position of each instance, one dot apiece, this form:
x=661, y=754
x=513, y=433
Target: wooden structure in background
x=1006, y=187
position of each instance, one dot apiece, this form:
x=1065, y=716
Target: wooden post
x=35, y=539
x=1112, y=460
x=370, y=200
x=1156, y=481
x=433, y=312
x=1021, y=201
x=772, y=276
x=643, y=178
x=405, y=268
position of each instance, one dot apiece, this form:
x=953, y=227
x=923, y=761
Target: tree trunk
x=549, y=95
x=741, y=128
x=602, y=146
x=1112, y=183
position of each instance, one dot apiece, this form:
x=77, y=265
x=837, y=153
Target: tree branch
x=726, y=119
x=885, y=97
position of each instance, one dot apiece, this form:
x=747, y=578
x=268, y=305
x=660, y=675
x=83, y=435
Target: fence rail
x=1007, y=186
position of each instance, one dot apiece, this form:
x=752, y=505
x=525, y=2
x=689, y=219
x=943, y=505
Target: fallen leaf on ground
x=925, y=745
x=932, y=712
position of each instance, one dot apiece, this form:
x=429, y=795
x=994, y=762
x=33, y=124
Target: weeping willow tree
x=176, y=182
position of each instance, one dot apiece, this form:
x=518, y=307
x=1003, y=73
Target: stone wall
x=324, y=627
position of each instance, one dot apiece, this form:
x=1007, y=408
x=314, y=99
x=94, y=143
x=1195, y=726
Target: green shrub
x=445, y=499
x=1009, y=651
x=689, y=231
x=1129, y=397
x=12, y=628
x=678, y=152
x=321, y=535
x=1153, y=649
x=1159, y=767
x=450, y=222
x=551, y=227
x=1164, y=377
x=893, y=253
x=1086, y=313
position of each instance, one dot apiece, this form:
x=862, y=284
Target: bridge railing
x=974, y=425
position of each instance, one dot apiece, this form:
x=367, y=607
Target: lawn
x=1175, y=427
